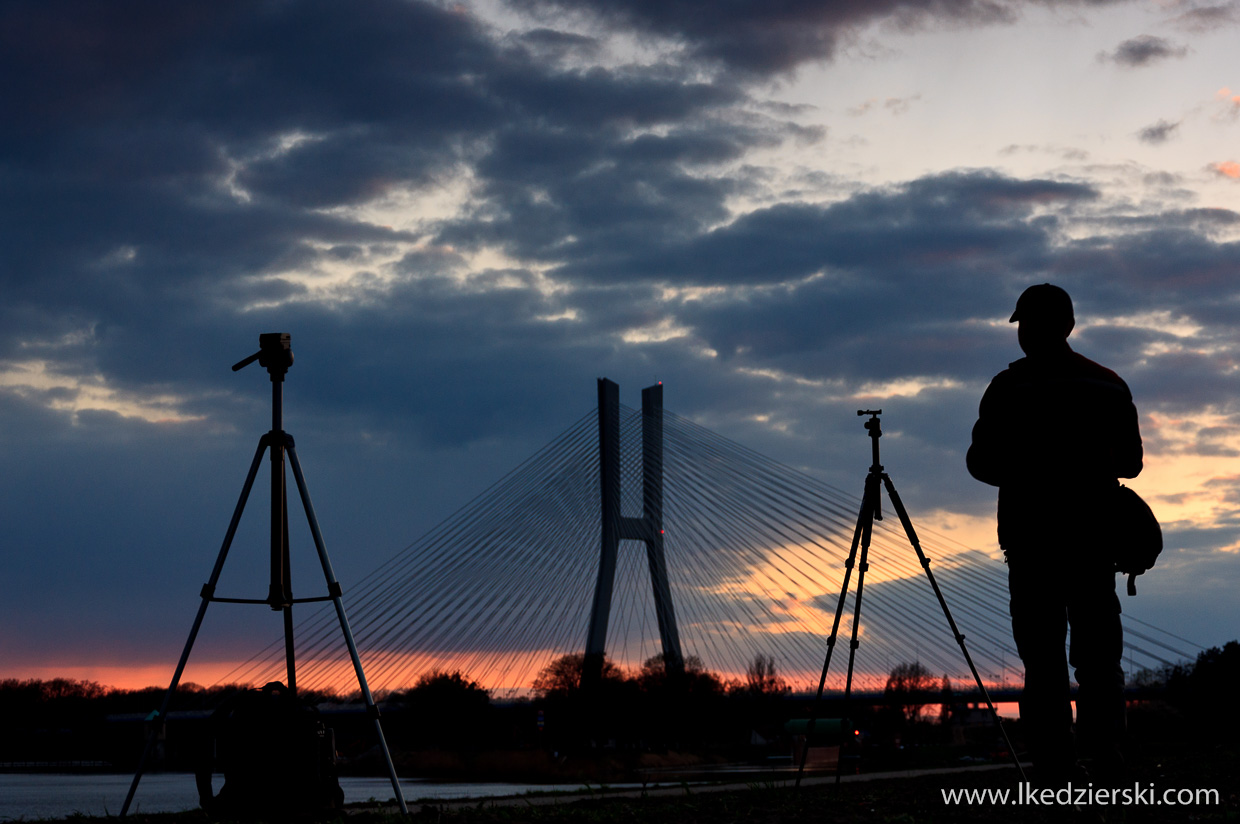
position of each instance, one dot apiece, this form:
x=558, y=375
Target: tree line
x=646, y=708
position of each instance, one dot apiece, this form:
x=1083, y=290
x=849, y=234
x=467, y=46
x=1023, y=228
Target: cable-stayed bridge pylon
x=614, y=527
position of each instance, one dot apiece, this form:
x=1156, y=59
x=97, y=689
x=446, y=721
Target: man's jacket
x=1054, y=433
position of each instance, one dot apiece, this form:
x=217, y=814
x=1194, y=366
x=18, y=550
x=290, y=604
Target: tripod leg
x=925, y=564
x=863, y=524
x=862, y=567
x=290, y=664
x=290, y=660
x=333, y=587
x=208, y=592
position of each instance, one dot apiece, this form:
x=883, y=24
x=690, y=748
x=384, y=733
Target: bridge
x=637, y=532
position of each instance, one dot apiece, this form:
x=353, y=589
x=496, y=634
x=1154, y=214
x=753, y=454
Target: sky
x=465, y=213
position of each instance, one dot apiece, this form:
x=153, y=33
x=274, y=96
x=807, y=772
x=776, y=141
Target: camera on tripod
x=275, y=354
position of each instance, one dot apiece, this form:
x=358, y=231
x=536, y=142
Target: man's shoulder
x=1093, y=371
x=1014, y=370
x=1073, y=366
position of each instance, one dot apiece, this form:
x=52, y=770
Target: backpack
x=277, y=756
x=1138, y=537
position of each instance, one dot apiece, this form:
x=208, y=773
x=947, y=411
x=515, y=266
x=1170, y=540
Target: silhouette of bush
x=1204, y=691
x=442, y=710
x=563, y=675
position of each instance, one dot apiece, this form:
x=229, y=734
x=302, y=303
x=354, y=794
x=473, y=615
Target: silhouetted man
x=1054, y=432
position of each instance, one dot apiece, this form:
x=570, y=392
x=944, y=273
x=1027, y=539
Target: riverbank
x=1162, y=777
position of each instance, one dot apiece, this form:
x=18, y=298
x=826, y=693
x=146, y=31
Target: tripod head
x=874, y=427
x=275, y=353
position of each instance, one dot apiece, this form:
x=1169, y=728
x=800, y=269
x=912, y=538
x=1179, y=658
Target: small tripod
x=276, y=355
x=871, y=511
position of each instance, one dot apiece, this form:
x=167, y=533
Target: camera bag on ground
x=277, y=756
x=1138, y=537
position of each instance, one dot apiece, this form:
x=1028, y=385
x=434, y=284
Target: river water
x=49, y=795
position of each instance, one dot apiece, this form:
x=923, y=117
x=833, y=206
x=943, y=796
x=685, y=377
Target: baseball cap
x=1044, y=301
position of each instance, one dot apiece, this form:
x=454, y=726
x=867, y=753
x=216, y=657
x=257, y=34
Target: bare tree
x=948, y=697
x=907, y=686
x=761, y=677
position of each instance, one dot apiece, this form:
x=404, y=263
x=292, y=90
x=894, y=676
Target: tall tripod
x=871, y=511
x=276, y=355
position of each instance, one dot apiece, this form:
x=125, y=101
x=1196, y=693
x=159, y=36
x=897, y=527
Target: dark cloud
x=1143, y=51
x=1210, y=17
x=954, y=223
x=559, y=45
x=1158, y=133
x=1183, y=265
x=765, y=38
x=1064, y=152
x=330, y=171
x=180, y=174
x=551, y=195
x=894, y=105
x=239, y=75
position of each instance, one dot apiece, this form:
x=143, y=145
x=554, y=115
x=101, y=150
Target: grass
x=917, y=800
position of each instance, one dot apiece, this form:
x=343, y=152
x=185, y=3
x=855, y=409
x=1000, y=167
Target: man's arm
x=984, y=457
x=1129, y=454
